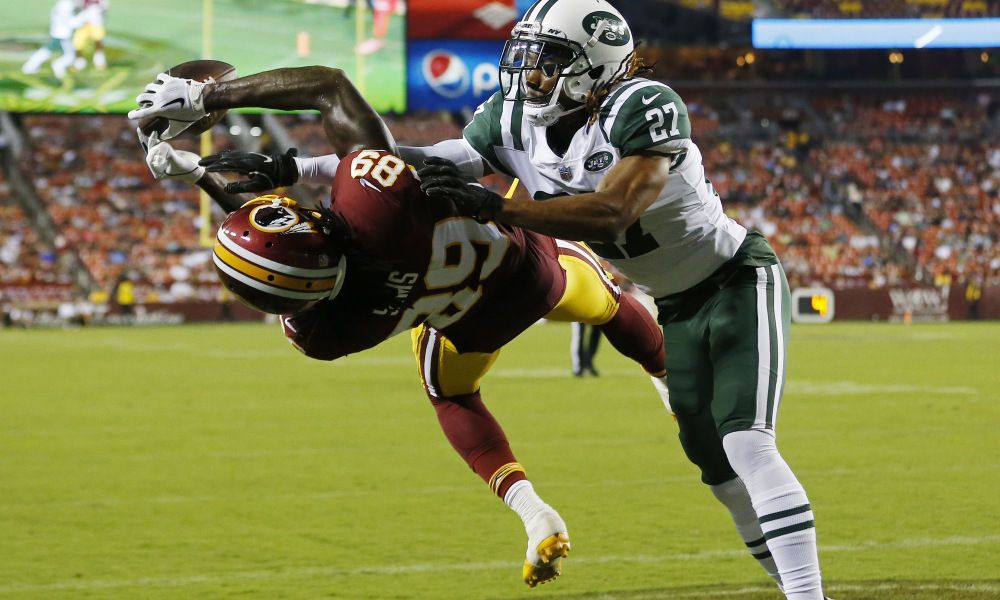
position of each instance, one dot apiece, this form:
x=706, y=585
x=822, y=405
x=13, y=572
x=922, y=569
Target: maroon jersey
x=479, y=284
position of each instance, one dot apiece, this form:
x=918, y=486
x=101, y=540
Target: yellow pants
x=591, y=297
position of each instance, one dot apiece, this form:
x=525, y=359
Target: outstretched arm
x=603, y=215
x=349, y=121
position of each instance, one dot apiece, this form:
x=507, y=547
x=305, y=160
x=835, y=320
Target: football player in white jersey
x=608, y=159
x=63, y=20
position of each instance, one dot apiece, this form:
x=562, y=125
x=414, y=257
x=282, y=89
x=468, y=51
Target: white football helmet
x=585, y=43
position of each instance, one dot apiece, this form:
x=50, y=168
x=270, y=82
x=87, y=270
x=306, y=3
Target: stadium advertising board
x=96, y=55
x=452, y=74
x=465, y=19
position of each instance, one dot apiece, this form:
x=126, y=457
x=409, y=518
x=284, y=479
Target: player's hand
x=442, y=178
x=263, y=171
x=179, y=100
x=166, y=163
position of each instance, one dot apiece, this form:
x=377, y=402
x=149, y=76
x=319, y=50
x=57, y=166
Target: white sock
x=523, y=500
x=733, y=495
x=540, y=519
x=782, y=508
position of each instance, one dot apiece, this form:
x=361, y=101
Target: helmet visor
x=530, y=69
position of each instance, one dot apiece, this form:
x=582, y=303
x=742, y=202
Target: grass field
x=214, y=462
x=145, y=38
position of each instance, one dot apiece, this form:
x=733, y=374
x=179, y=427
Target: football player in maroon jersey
x=398, y=261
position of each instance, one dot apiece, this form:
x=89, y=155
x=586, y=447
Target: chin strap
x=602, y=26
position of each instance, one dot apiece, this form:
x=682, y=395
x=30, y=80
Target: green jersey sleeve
x=484, y=131
x=644, y=117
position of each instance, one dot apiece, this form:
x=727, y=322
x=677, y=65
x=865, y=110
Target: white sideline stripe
x=311, y=572
x=843, y=388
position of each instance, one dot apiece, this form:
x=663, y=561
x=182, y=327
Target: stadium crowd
x=853, y=188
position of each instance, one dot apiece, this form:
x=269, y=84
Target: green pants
x=726, y=342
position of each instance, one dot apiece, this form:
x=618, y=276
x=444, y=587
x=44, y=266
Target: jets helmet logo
x=616, y=33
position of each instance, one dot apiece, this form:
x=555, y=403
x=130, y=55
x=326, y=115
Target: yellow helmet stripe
x=271, y=265
x=272, y=279
x=268, y=289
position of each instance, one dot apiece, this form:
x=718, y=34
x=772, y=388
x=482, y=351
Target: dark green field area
x=145, y=38
x=215, y=462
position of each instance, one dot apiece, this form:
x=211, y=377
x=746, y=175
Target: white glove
x=179, y=100
x=166, y=163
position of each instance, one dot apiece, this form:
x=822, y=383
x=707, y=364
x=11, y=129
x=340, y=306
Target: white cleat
x=548, y=544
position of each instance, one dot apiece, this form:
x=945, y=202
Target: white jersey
x=63, y=20
x=681, y=239
x=93, y=13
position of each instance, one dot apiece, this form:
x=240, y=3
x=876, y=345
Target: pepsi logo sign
x=446, y=73
x=451, y=74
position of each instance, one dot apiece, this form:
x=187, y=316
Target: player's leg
x=748, y=350
x=592, y=297
x=81, y=37
x=100, y=60
x=36, y=60
x=577, y=348
x=593, y=342
x=61, y=64
x=691, y=391
x=451, y=380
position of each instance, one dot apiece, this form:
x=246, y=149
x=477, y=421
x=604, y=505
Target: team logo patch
x=617, y=32
x=273, y=219
x=565, y=173
x=598, y=161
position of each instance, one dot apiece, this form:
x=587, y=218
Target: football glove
x=166, y=163
x=264, y=172
x=442, y=178
x=181, y=101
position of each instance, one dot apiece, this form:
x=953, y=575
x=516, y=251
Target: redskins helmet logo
x=271, y=218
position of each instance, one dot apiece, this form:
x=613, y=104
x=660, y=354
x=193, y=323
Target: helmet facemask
x=528, y=63
x=580, y=46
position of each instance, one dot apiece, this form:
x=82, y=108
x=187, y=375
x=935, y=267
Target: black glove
x=442, y=178
x=264, y=172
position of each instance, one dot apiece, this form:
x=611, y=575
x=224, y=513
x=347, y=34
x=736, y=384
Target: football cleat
x=548, y=544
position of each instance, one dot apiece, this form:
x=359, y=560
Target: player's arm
x=349, y=121
x=265, y=172
x=628, y=189
x=167, y=163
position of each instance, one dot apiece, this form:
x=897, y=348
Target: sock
x=523, y=500
x=541, y=521
x=479, y=440
x=782, y=508
x=733, y=495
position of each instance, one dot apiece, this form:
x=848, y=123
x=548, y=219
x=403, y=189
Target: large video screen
x=876, y=33
x=55, y=55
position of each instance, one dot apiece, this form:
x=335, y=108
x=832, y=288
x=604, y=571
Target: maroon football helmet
x=277, y=257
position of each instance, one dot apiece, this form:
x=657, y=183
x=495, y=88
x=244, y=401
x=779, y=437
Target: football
x=199, y=70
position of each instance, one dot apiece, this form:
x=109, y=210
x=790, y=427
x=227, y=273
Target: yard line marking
x=843, y=388
x=312, y=572
x=457, y=489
